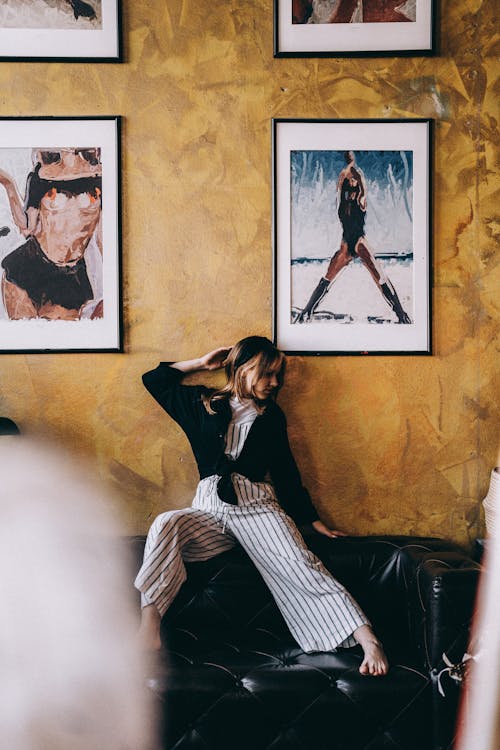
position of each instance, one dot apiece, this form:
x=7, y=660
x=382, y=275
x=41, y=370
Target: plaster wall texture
x=389, y=444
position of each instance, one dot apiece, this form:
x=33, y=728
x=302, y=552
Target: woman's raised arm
x=213, y=360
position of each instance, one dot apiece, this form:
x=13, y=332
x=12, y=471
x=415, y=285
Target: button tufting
x=235, y=679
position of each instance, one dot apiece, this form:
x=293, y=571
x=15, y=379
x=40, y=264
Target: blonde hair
x=253, y=354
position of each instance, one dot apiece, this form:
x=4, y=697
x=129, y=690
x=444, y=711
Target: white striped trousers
x=319, y=612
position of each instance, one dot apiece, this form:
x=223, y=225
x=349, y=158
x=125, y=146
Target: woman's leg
x=319, y=611
x=174, y=536
x=149, y=630
x=390, y=295
x=337, y=263
x=375, y=662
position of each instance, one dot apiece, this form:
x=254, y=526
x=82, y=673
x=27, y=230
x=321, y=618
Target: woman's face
x=263, y=385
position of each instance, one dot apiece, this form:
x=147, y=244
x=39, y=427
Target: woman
x=351, y=189
x=239, y=438
x=47, y=276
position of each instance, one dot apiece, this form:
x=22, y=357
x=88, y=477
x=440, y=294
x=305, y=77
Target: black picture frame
x=390, y=172
x=65, y=37
x=76, y=303
x=356, y=39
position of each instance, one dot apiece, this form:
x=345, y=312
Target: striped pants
x=319, y=612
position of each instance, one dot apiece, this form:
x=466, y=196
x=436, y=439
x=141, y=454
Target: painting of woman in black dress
x=51, y=14
x=365, y=214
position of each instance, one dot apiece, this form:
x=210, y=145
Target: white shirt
x=244, y=414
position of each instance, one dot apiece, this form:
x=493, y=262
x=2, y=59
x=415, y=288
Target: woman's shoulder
x=276, y=413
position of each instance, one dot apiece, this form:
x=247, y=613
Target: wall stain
x=482, y=412
x=466, y=222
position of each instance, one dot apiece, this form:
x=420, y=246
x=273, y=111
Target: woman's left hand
x=320, y=527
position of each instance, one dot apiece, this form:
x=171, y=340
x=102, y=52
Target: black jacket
x=266, y=452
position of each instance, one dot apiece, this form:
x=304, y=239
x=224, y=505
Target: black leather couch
x=230, y=676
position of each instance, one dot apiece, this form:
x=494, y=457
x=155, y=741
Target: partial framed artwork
x=65, y=30
x=354, y=28
x=60, y=269
x=352, y=236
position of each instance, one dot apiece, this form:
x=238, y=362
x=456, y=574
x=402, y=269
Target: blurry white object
x=479, y=720
x=70, y=677
x=457, y=671
x=491, y=503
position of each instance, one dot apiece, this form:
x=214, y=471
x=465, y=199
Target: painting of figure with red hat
x=60, y=272
x=55, y=272
x=353, y=11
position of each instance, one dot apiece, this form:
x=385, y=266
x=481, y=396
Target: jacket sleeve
x=292, y=495
x=181, y=402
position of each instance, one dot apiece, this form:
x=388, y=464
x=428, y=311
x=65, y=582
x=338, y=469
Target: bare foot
x=375, y=662
x=149, y=629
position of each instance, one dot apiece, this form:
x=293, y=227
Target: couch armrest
x=442, y=600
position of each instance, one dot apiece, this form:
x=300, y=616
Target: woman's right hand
x=215, y=359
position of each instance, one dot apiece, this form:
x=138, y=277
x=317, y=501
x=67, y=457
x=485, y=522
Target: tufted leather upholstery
x=232, y=678
x=441, y=605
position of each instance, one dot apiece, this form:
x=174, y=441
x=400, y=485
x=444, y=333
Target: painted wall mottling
x=386, y=444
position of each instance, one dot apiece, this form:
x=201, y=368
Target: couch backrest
x=226, y=594
x=380, y=572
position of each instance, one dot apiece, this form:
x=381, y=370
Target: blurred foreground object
x=69, y=673
x=491, y=503
x=480, y=711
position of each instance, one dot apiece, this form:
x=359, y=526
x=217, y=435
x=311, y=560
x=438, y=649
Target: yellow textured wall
x=388, y=444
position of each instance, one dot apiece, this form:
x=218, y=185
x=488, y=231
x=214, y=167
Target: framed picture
x=352, y=236
x=70, y=30
x=354, y=28
x=60, y=234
